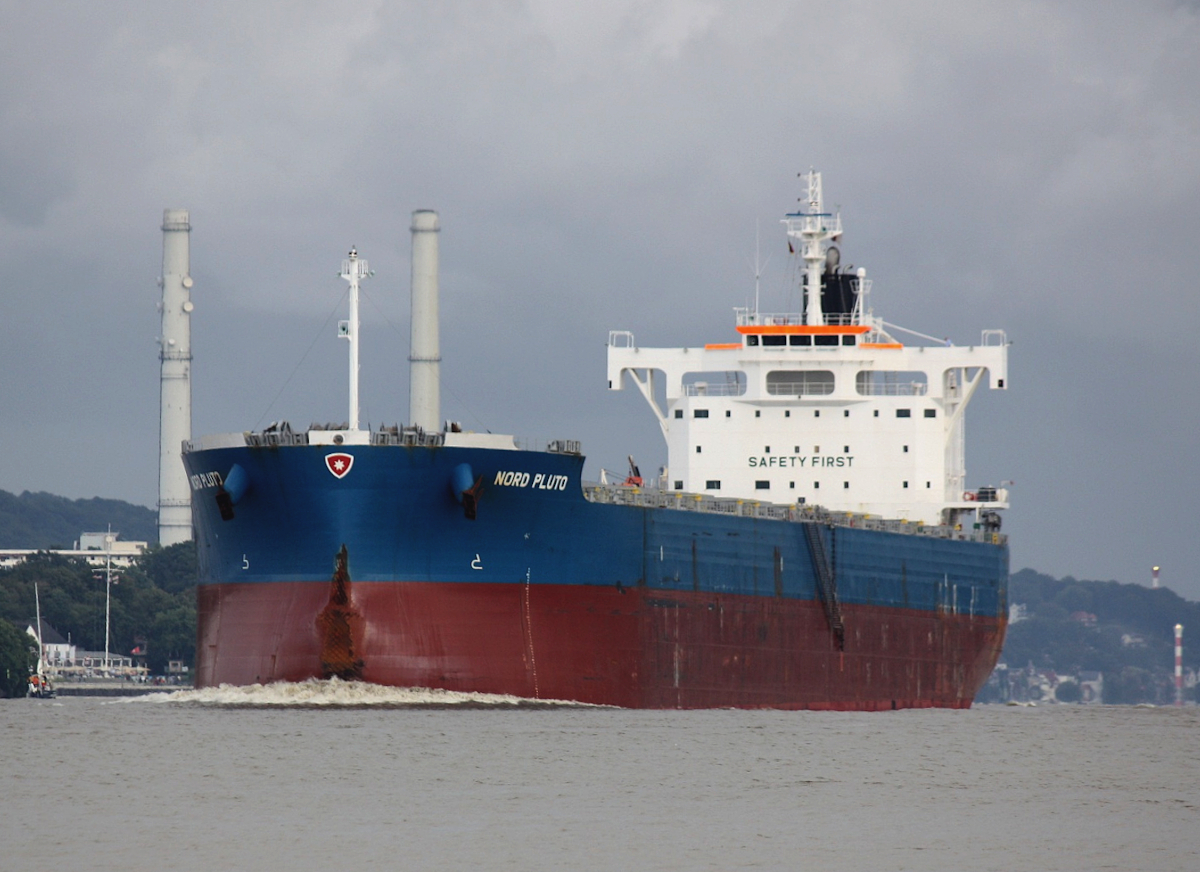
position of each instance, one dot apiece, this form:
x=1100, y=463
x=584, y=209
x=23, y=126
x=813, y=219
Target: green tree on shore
x=153, y=602
x=17, y=658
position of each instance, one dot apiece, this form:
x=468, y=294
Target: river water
x=351, y=777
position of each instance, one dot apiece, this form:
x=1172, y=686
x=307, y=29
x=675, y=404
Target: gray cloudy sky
x=1024, y=165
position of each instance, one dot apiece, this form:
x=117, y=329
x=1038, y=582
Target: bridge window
x=800, y=340
x=891, y=383
x=774, y=341
x=800, y=382
x=715, y=383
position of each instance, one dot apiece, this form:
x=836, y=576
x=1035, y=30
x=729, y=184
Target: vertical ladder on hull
x=826, y=582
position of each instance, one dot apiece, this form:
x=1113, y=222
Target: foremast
x=354, y=270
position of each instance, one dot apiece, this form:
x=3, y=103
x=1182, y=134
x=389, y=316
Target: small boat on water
x=40, y=686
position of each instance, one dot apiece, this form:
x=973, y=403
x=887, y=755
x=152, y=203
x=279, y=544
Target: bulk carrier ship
x=811, y=544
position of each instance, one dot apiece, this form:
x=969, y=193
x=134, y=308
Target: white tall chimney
x=175, y=398
x=424, y=405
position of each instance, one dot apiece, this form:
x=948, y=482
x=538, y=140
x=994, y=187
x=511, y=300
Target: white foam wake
x=335, y=692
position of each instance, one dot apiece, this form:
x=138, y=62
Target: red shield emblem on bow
x=339, y=464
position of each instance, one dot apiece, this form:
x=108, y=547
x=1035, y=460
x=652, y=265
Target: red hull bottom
x=635, y=647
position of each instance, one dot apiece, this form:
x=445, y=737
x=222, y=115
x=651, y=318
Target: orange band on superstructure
x=722, y=346
x=882, y=345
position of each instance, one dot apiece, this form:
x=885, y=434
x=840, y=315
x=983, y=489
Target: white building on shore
x=64, y=659
x=98, y=549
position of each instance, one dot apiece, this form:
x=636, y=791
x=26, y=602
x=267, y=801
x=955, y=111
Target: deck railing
x=650, y=498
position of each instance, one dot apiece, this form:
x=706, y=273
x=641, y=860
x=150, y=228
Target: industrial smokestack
x=175, y=398
x=424, y=359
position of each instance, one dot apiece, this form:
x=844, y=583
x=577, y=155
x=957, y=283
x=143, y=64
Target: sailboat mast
x=37, y=601
x=108, y=540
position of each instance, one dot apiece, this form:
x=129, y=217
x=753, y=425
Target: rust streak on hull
x=338, y=625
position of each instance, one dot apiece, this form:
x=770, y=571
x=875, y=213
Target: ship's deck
x=652, y=498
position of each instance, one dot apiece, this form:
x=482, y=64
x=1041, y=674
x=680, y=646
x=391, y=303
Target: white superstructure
x=821, y=408
x=175, y=397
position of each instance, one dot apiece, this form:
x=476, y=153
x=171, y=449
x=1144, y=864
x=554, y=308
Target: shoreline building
x=99, y=550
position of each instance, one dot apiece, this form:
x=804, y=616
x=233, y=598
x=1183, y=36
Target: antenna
x=758, y=265
x=353, y=270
